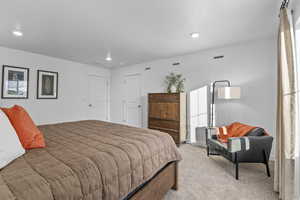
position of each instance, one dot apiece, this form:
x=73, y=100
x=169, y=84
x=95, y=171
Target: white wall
x=252, y=66
x=71, y=104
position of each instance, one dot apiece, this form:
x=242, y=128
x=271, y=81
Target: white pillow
x=10, y=146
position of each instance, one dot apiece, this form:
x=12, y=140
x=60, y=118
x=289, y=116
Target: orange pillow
x=30, y=136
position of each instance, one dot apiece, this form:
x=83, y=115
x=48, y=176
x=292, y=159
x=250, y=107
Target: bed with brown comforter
x=88, y=160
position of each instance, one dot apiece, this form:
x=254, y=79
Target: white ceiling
x=134, y=31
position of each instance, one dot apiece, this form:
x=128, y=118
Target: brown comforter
x=89, y=160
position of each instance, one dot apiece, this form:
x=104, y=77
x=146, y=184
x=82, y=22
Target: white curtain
x=287, y=110
x=297, y=33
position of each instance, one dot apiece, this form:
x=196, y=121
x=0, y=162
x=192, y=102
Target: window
x=198, y=111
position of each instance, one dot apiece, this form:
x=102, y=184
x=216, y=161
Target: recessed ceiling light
x=108, y=57
x=195, y=35
x=17, y=33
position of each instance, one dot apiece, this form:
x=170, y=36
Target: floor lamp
x=225, y=92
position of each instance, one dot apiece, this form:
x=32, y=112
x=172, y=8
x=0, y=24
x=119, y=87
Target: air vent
x=147, y=68
x=176, y=64
x=218, y=57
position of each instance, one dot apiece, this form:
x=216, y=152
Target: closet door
x=132, y=107
x=98, y=98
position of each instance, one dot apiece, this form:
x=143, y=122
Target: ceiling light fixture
x=108, y=57
x=195, y=35
x=17, y=33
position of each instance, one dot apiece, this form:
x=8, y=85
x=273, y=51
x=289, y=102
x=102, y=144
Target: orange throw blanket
x=235, y=129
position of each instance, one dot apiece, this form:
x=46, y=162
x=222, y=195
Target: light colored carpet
x=212, y=178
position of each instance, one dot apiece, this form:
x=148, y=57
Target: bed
x=94, y=160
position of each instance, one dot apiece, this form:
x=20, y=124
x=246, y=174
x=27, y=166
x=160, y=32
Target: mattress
x=87, y=160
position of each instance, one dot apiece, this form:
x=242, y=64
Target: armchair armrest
x=237, y=144
x=261, y=143
x=211, y=132
x=260, y=140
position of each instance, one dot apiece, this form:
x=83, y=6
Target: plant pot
x=173, y=89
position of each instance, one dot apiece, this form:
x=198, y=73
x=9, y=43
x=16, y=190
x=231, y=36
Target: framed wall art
x=47, y=85
x=15, y=82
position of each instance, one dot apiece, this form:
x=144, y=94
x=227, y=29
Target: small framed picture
x=47, y=85
x=15, y=81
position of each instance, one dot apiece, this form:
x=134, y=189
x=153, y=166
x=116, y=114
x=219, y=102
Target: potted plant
x=175, y=83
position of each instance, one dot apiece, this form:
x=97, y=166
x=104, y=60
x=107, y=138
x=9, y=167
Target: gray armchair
x=255, y=147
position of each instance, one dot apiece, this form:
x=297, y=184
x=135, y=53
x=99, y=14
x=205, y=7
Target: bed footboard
x=159, y=185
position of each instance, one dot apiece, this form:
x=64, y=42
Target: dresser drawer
x=164, y=111
x=175, y=97
x=164, y=124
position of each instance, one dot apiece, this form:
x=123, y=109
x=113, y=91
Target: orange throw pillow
x=30, y=136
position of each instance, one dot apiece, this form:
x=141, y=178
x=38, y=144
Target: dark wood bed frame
x=158, y=185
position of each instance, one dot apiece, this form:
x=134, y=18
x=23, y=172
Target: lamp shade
x=229, y=93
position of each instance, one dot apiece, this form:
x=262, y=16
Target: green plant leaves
x=175, y=80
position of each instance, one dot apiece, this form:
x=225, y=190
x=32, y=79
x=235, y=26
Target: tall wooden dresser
x=167, y=113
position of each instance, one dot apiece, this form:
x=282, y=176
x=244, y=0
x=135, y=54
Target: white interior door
x=98, y=98
x=132, y=109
